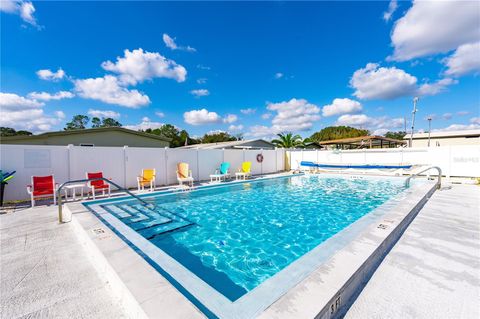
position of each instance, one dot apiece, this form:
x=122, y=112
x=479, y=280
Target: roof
x=352, y=140
x=444, y=134
x=86, y=131
x=231, y=144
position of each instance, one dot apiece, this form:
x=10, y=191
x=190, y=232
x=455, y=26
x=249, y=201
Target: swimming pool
x=235, y=238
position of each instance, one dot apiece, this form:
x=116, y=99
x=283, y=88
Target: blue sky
x=256, y=68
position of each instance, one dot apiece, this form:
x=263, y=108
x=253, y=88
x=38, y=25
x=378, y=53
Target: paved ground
x=434, y=269
x=45, y=272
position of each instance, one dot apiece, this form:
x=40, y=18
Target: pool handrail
x=59, y=196
x=439, y=182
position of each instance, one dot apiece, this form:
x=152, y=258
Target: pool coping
x=260, y=300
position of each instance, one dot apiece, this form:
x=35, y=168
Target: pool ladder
x=439, y=180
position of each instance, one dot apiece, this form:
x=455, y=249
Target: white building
x=452, y=138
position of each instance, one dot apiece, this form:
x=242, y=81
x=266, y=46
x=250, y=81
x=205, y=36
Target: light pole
x=429, y=129
x=415, y=100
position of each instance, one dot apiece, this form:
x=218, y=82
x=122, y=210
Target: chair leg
x=33, y=201
x=55, y=198
x=93, y=192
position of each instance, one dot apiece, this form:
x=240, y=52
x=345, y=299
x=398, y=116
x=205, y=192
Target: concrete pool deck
x=434, y=269
x=51, y=275
x=45, y=271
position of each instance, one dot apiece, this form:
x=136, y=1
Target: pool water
x=235, y=237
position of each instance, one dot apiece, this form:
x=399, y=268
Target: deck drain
x=382, y=226
x=99, y=231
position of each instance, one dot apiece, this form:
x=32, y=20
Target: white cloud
x=436, y=87
x=392, y=7
x=235, y=128
x=145, y=124
x=248, y=111
x=375, y=82
x=48, y=75
x=291, y=116
x=201, y=80
x=475, y=120
x=341, y=106
x=44, y=96
x=24, y=9
x=466, y=59
x=11, y=101
x=459, y=127
x=266, y=116
x=138, y=65
x=103, y=113
x=447, y=116
x=108, y=90
x=230, y=118
x=431, y=27
x=261, y=131
x=375, y=124
x=200, y=92
x=22, y=113
x=160, y=114
x=35, y=121
x=171, y=44
x=463, y=113
x=278, y=75
x=200, y=117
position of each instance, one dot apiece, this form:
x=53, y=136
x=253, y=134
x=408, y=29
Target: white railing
x=439, y=175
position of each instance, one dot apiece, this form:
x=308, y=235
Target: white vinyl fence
x=122, y=164
x=461, y=161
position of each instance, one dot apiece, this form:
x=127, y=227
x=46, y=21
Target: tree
x=177, y=137
x=96, y=122
x=8, y=131
x=288, y=140
x=109, y=122
x=79, y=122
x=337, y=132
x=217, y=137
x=396, y=135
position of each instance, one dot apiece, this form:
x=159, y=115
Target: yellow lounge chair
x=147, y=178
x=244, y=171
x=184, y=174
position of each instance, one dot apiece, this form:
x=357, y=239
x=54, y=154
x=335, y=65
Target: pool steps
x=149, y=222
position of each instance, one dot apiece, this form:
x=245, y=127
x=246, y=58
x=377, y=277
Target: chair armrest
x=29, y=189
x=189, y=173
x=217, y=171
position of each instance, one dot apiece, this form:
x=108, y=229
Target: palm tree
x=288, y=140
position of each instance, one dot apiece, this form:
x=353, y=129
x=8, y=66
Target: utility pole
x=429, y=129
x=415, y=100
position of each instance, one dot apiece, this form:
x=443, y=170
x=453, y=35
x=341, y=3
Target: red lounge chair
x=98, y=184
x=42, y=186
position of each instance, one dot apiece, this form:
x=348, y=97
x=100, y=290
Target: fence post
x=125, y=159
x=166, y=166
x=261, y=163
x=69, y=156
x=198, y=166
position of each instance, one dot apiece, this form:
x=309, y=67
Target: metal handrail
x=59, y=194
x=439, y=182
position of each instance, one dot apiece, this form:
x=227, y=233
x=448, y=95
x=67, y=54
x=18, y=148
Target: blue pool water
x=235, y=237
